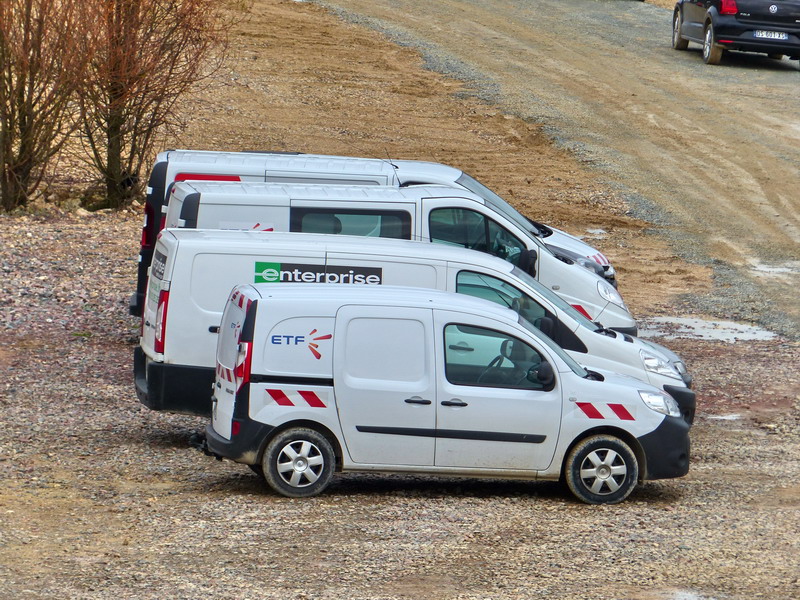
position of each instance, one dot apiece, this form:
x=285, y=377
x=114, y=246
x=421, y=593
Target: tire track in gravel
x=708, y=154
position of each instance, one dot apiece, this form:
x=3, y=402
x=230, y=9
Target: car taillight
x=243, y=362
x=161, y=321
x=729, y=7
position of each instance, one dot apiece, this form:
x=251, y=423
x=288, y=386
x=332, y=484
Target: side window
x=476, y=356
x=498, y=291
x=458, y=227
x=367, y=223
x=470, y=229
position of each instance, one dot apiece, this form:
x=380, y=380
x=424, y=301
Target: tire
x=258, y=470
x=601, y=470
x=678, y=43
x=299, y=463
x=712, y=53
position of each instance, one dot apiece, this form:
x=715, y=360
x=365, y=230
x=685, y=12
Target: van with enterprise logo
x=195, y=269
x=314, y=378
x=432, y=213
x=174, y=166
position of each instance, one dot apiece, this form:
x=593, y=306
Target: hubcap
x=300, y=463
x=603, y=471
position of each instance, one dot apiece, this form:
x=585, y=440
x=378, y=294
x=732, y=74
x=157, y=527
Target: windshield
x=500, y=205
x=555, y=348
x=557, y=300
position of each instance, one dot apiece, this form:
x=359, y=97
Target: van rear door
x=154, y=317
x=385, y=384
x=232, y=363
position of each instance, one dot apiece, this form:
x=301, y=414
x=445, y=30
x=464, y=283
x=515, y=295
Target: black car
x=768, y=26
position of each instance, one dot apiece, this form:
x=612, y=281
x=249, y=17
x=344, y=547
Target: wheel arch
x=623, y=435
x=307, y=424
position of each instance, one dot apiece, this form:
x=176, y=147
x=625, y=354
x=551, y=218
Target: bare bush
x=45, y=47
x=150, y=53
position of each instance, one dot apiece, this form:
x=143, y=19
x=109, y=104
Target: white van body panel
x=201, y=266
x=409, y=417
x=574, y=283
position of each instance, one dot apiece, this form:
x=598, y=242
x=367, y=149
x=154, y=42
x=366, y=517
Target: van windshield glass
x=555, y=348
x=557, y=300
x=500, y=205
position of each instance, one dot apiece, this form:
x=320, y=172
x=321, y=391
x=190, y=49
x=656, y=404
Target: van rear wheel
x=601, y=469
x=299, y=463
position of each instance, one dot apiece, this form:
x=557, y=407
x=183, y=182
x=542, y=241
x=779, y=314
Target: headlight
x=607, y=291
x=658, y=365
x=661, y=402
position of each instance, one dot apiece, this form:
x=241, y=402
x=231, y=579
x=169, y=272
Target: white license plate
x=771, y=35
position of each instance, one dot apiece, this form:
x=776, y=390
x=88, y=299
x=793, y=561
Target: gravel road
x=708, y=154
x=103, y=499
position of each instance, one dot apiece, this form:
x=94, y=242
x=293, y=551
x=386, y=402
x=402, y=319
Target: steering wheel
x=496, y=362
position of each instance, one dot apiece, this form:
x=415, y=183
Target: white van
x=292, y=167
x=194, y=270
x=311, y=379
x=431, y=213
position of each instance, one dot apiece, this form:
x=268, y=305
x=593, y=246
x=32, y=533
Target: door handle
x=461, y=347
x=214, y=329
x=454, y=402
x=416, y=400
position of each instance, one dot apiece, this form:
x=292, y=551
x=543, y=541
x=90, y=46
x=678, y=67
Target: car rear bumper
x=735, y=35
x=172, y=388
x=244, y=447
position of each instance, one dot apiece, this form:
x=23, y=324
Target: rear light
x=236, y=427
x=729, y=7
x=243, y=361
x=163, y=222
x=161, y=321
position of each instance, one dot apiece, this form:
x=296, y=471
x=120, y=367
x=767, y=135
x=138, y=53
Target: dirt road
x=710, y=151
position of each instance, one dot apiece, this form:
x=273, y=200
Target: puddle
x=783, y=271
x=732, y=417
x=669, y=594
x=683, y=327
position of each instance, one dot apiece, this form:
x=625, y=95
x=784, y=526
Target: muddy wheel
x=298, y=463
x=601, y=470
x=677, y=41
x=712, y=53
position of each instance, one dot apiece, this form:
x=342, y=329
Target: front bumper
x=666, y=449
x=172, y=388
x=686, y=399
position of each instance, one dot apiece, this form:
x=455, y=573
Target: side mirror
x=527, y=262
x=542, y=374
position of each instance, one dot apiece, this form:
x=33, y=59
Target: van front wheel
x=299, y=463
x=601, y=470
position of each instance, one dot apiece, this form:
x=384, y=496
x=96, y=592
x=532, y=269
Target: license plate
x=771, y=35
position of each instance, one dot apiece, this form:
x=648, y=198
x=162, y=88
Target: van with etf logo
x=312, y=379
x=194, y=269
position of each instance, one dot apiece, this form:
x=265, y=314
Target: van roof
x=408, y=169
x=256, y=191
x=289, y=161
x=384, y=295
x=234, y=241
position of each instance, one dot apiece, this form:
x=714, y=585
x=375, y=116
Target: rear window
x=159, y=265
x=230, y=331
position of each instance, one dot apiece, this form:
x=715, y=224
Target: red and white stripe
x=225, y=373
x=602, y=410
x=298, y=398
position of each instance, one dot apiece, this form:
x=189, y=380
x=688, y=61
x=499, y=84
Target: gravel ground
x=102, y=498
x=105, y=499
